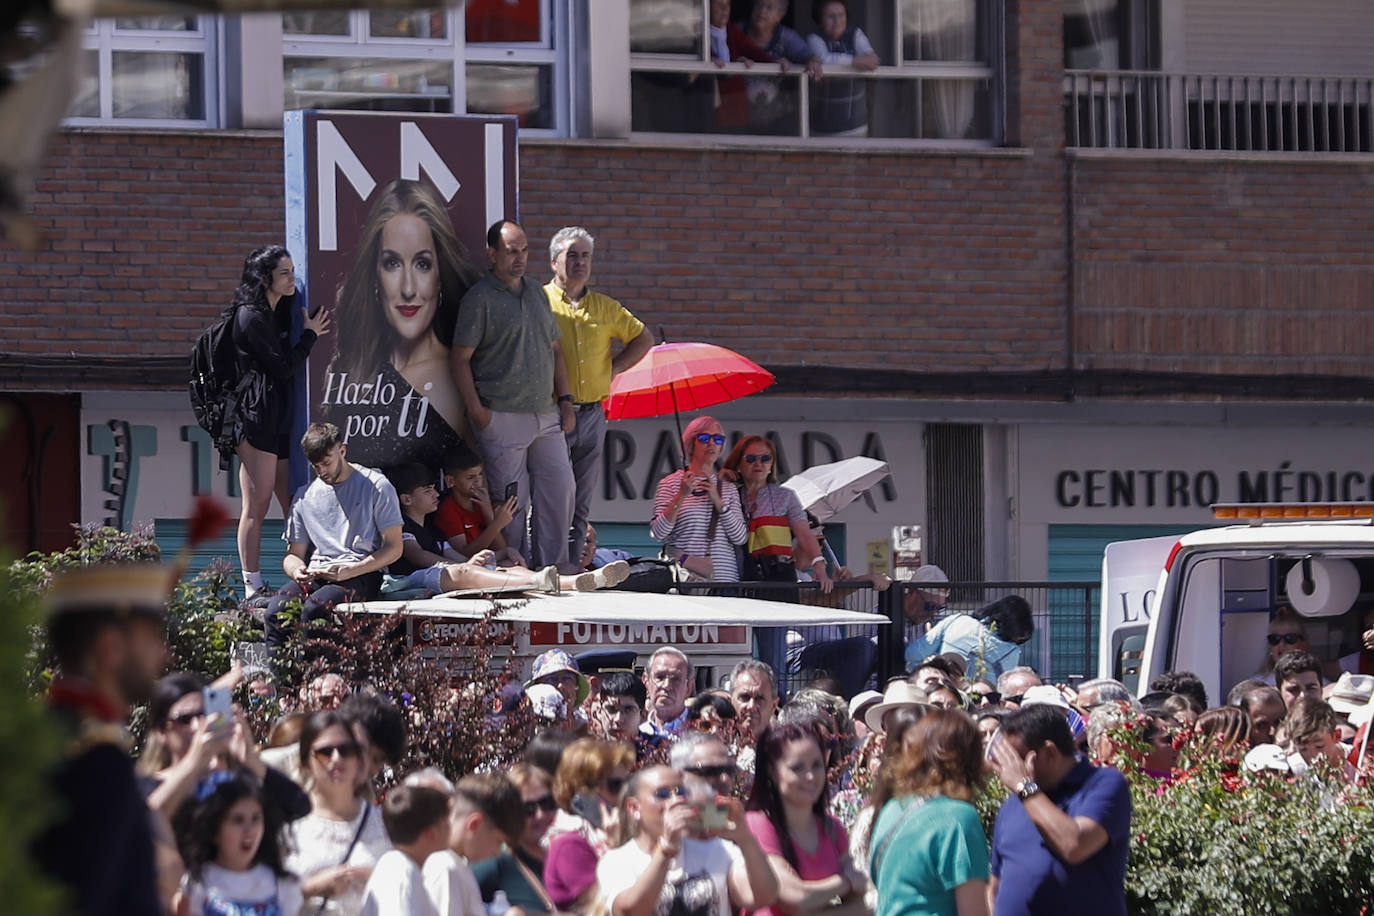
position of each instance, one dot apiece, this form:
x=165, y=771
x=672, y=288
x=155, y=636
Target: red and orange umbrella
x=673, y=377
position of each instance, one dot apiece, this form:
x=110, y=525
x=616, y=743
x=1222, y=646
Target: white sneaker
x=612, y=574
x=546, y=580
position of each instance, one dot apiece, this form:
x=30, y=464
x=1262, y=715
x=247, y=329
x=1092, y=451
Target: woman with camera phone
x=696, y=514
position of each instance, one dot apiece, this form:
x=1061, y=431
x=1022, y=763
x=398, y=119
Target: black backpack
x=215, y=385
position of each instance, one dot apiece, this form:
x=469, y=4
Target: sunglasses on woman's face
x=711, y=771
x=613, y=784
x=663, y=793
x=543, y=803
x=765, y=458
x=713, y=438
x=326, y=754
x=1290, y=639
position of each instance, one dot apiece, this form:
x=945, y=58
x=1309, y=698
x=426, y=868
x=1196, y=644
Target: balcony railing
x=1147, y=109
x=928, y=104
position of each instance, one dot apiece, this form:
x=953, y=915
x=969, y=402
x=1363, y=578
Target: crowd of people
x=638, y=792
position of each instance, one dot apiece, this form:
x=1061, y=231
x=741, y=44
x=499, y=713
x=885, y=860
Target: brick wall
x=147, y=236
x=802, y=258
x=1224, y=265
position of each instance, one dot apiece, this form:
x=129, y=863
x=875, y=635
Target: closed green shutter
x=628, y=536
x=1075, y=555
x=171, y=537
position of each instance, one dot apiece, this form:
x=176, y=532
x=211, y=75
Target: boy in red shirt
x=430, y=562
x=466, y=515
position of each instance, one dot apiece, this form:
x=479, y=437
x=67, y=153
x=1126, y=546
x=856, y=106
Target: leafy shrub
x=28, y=579
x=450, y=705
x=1215, y=839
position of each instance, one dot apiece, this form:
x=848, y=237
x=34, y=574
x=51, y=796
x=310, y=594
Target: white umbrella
x=827, y=488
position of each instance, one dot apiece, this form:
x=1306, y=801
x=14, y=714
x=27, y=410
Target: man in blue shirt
x=1061, y=840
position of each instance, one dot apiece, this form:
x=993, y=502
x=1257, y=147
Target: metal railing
x=939, y=104
x=1064, y=647
x=1148, y=109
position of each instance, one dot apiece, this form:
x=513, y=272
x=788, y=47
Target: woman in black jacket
x=264, y=301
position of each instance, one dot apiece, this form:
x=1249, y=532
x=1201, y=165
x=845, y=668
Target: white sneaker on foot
x=612, y=574
x=546, y=580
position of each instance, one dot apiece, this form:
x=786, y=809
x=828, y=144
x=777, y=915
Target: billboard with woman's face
x=389, y=213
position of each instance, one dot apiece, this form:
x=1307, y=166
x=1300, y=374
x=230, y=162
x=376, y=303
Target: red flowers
x=207, y=520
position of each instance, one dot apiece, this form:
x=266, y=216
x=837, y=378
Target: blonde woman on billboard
x=389, y=386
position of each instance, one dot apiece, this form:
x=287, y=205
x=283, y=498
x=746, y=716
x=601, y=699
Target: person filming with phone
x=591, y=775
x=697, y=516
x=350, y=517
x=193, y=730
x=674, y=863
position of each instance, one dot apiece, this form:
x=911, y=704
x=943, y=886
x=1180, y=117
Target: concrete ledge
x=1365, y=160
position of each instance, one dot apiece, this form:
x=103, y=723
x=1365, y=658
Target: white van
x=1202, y=602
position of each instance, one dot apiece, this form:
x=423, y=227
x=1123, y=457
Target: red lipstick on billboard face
x=408, y=278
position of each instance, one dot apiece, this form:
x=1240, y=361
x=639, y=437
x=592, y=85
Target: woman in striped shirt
x=696, y=514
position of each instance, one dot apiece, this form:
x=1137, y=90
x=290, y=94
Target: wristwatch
x=1026, y=788
x=565, y=397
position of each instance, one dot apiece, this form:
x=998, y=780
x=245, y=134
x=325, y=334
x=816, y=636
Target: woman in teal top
x=928, y=854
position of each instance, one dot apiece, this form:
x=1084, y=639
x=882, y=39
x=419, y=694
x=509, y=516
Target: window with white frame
x=149, y=71
x=489, y=57
x=934, y=73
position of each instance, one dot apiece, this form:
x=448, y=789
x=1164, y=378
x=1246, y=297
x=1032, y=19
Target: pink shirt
x=824, y=863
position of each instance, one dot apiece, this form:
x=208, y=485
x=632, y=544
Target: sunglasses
x=1287, y=638
x=326, y=754
x=712, y=771
x=992, y=696
x=1016, y=700
x=185, y=718
x=758, y=459
x=663, y=793
x=543, y=803
x=614, y=784
x=713, y=438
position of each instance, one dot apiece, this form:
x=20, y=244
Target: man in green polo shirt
x=509, y=369
x=589, y=322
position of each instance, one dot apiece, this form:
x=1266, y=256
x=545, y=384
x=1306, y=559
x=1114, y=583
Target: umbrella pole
x=672, y=390
x=677, y=417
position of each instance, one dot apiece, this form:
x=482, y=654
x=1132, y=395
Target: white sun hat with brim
x=1351, y=692
x=899, y=693
x=1044, y=695
x=860, y=702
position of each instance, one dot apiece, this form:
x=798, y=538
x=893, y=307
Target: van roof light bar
x=1259, y=513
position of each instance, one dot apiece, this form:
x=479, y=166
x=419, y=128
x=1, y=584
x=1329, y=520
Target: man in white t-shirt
x=344, y=529
x=674, y=866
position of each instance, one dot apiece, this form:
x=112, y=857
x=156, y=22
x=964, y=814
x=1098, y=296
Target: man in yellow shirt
x=589, y=321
